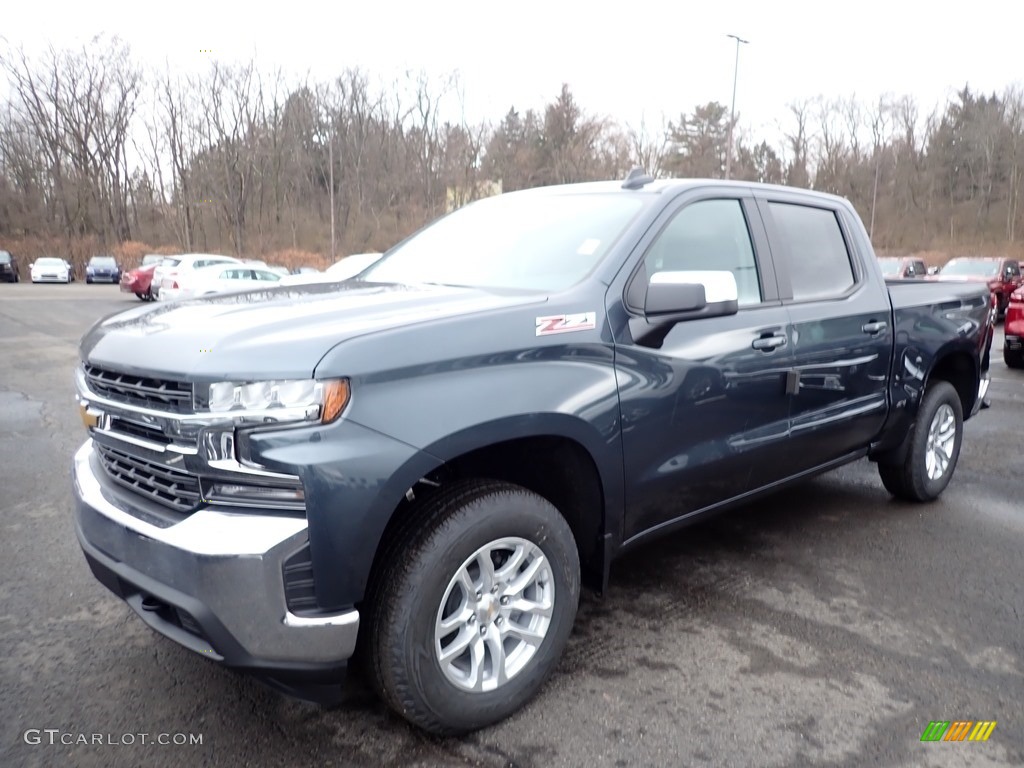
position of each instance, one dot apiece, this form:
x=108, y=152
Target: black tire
x=140, y=296
x=910, y=481
x=404, y=599
x=1014, y=358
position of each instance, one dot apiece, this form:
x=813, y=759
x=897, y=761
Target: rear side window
x=819, y=264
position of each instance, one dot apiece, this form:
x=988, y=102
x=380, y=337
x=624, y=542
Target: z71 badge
x=581, y=321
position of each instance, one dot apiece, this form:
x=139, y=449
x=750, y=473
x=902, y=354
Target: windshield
x=889, y=266
x=102, y=261
x=48, y=262
x=531, y=241
x=972, y=267
x=152, y=258
x=170, y=262
x=5, y=257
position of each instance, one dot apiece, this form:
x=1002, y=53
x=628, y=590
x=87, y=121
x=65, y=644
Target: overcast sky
x=645, y=57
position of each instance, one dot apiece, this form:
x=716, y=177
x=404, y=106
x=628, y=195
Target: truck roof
x=660, y=186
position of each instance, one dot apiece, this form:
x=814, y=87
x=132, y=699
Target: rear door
x=840, y=333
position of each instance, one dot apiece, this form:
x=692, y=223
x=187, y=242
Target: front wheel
x=472, y=606
x=934, y=448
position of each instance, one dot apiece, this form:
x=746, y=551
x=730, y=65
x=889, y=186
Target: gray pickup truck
x=419, y=467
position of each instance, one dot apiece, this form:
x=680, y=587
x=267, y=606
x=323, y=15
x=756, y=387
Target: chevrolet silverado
x=417, y=469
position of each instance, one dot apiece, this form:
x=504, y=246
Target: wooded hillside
x=99, y=154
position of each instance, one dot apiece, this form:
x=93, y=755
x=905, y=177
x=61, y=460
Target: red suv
x=1013, y=331
x=1002, y=275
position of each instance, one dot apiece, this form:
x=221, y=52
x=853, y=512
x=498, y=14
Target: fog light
x=259, y=495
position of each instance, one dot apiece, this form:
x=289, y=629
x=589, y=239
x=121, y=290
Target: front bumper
x=212, y=583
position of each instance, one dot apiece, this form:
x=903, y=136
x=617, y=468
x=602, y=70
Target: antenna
x=637, y=179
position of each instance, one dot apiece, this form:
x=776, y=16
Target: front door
x=704, y=411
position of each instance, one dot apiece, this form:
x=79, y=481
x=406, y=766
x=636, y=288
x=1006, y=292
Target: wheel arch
x=556, y=463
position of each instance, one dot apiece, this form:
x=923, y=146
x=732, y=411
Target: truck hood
x=273, y=333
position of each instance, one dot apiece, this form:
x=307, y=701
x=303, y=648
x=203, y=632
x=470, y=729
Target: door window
x=708, y=235
x=819, y=263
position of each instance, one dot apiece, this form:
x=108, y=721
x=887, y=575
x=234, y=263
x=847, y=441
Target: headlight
x=323, y=400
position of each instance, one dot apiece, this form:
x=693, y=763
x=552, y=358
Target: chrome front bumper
x=212, y=582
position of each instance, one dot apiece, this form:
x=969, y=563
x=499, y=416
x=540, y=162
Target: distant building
x=459, y=196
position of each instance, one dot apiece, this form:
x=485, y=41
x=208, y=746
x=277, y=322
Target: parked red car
x=1002, y=275
x=139, y=282
x=1013, y=331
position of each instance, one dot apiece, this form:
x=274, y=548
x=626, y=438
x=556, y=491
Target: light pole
x=732, y=113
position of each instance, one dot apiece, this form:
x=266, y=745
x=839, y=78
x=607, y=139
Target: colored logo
x=580, y=321
x=958, y=730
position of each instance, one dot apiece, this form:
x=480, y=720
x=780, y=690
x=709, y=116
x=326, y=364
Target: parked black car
x=430, y=459
x=102, y=269
x=9, y=267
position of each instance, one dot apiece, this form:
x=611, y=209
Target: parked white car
x=350, y=266
x=50, y=270
x=165, y=277
x=223, y=278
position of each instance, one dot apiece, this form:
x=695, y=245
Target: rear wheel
x=141, y=296
x=472, y=607
x=934, y=448
x=1014, y=358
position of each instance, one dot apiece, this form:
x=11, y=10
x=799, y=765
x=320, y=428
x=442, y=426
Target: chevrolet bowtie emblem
x=89, y=418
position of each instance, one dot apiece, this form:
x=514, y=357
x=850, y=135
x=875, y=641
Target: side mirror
x=675, y=296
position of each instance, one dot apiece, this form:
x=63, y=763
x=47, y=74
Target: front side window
x=1013, y=268
x=812, y=240
x=529, y=241
x=708, y=235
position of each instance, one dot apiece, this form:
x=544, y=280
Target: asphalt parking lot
x=825, y=626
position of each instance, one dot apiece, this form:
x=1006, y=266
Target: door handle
x=768, y=343
x=874, y=327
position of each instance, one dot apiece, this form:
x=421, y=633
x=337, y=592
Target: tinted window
x=708, y=235
x=819, y=264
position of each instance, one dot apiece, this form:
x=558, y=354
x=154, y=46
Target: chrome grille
x=160, y=394
x=177, y=490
